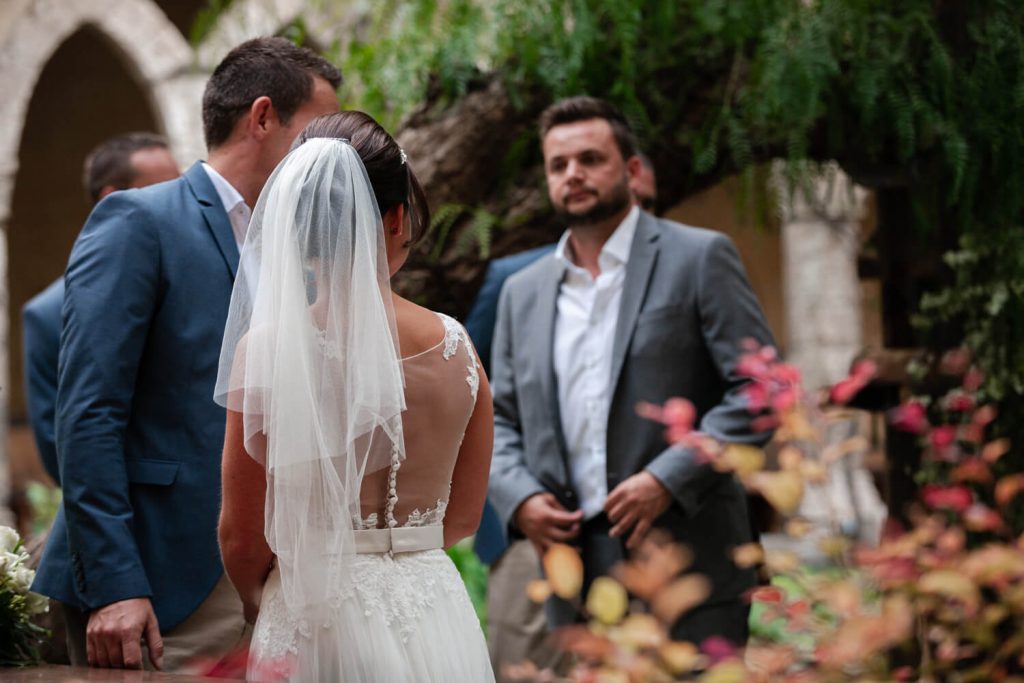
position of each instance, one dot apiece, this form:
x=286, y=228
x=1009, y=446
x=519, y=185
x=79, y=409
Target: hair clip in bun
x=401, y=152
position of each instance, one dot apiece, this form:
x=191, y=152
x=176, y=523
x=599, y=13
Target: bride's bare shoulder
x=419, y=328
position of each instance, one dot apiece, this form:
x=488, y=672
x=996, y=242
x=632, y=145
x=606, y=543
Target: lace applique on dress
x=453, y=332
x=397, y=590
x=369, y=521
x=431, y=517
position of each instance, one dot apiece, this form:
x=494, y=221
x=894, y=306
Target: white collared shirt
x=235, y=207
x=587, y=315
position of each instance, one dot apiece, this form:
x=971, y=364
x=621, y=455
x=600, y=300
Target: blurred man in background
x=124, y=161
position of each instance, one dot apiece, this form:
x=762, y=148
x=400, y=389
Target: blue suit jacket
x=139, y=437
x=490, y=538
x=40, y=334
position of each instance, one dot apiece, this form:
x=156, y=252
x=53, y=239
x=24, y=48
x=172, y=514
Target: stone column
x=820, y=225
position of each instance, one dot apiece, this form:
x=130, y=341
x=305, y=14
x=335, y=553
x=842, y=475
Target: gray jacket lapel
x=544, y=341
x=642, y=257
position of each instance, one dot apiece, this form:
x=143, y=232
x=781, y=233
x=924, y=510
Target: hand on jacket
x=544, y=521
x=635, y=503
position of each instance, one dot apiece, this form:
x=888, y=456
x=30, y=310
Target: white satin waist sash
x=402, y=539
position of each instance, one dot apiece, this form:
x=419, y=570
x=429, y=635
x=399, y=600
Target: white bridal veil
x=311, y=360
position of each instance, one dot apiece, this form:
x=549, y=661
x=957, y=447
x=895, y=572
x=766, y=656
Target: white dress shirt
x=235, y=207
x=585, y=322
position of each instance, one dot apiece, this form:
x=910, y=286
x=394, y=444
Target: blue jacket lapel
x=213, y=211
x=642, y=257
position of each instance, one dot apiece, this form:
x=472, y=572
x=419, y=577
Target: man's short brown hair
x=110, y=163
x=271, y=67
x=584, y=108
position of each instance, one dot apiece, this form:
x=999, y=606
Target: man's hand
x=113, y=635
x=635, y=503
x=544, y=521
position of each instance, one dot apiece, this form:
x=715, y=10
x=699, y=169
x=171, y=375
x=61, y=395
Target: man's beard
x=613, y=204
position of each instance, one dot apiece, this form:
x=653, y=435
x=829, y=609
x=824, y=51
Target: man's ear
x=633, y=166
x=261, y=117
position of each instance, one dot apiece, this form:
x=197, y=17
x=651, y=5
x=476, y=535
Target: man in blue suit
x=133, y=555
x=122, y=162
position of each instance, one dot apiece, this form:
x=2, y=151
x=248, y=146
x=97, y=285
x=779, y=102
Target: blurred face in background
x=153, y=165
x=644, y=188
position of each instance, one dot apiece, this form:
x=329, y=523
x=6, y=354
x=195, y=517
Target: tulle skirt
x=406, y=618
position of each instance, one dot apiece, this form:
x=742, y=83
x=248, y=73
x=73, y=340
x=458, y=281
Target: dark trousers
x=601, y=553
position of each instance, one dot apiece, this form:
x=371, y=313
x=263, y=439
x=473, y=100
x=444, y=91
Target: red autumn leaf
x=756, y=395
x=984, y=415
x=995, y=450
x=979, y=517
x=1008, y=487
x=764, y=423
x=972, y=470
x=679, y=413
x=769, y=594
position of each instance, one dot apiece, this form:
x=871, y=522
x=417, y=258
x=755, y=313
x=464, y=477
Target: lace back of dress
x=441, y=390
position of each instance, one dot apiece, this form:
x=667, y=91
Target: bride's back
x=441, y=383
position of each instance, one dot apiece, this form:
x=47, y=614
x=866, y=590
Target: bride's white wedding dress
x=406, y=617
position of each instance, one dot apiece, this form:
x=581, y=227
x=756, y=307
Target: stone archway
x=149, y=51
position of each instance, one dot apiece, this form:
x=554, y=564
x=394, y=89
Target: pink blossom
x=860, y=375
x=718, y=648
x=973, y=379
x=957, y=498
x=784, y=399
x=788, y=374
x=844, y=390
x=909, y=417
x=942, y=437
x=956, y=361
x=756, y=395
x=960, y=402
x=679, y=414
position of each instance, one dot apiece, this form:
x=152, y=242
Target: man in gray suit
x=629, y=308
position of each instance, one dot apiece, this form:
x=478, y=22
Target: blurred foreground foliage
x=942, y=602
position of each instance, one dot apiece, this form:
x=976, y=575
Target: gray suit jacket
x=686, y=307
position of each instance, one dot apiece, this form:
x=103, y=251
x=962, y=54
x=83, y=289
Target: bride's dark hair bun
x=393, y=180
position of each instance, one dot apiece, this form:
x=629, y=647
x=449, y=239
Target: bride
x=359, y=428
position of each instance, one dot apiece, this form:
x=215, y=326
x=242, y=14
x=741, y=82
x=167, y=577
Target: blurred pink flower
x=973, y=379
x=909, y=417
x=960, y=402
x=957, y=497
x=718, y=648
x=943, y=436
x=860, y=375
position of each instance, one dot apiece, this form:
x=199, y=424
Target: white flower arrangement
x=19, y=636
